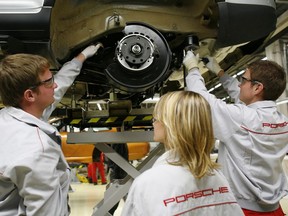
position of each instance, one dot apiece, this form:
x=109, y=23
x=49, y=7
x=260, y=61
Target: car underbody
x=144, y=45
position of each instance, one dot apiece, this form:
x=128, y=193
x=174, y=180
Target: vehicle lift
x=118, y=189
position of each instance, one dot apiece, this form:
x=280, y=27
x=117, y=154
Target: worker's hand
x=91, y=50
x=191, y=60
x=213, y=65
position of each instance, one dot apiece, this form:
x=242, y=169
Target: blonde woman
x=184, y=180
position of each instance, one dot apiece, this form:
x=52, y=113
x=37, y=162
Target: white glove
x=213, y=65
x=190, y=60
x=91, y=50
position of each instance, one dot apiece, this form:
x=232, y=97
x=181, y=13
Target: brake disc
x=142, y=59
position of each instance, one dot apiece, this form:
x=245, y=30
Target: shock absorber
x=191, y=43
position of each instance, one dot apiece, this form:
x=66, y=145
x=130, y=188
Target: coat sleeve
x=231, y=86
x=64, y=79
x=40, y=183
x=227, y=118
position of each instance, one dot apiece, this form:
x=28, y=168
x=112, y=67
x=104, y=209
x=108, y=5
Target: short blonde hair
x=19, y=72
x=187, y=122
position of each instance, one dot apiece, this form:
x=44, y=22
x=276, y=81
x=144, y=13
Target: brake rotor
x=142, y=59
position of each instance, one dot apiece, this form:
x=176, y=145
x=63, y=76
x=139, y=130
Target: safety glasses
x=243, y=79
x=47, y=83
x=153, y=120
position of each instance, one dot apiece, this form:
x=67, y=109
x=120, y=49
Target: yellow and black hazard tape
x=112, y=120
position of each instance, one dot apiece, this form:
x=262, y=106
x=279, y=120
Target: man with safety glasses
x=253, y=134
x=34, y=175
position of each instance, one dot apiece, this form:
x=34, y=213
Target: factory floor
x=85, y=196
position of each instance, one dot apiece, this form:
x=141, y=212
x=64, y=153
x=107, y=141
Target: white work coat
x=172, y=190
x=253, y=143
x=34, y=175
x=64, y=79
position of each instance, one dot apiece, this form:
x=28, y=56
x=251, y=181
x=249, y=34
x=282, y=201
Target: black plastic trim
x=241, y=23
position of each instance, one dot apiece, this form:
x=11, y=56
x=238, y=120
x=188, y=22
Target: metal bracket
x=110, y=137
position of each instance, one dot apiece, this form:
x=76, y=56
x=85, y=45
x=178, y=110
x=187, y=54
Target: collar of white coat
x=263, y=104
x=23, y=116
x=168, y=156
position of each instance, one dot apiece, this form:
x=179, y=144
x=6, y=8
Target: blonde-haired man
x=34, y=175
